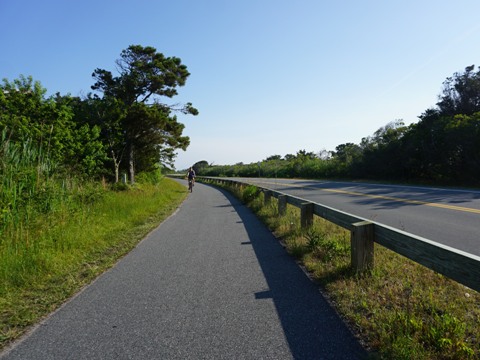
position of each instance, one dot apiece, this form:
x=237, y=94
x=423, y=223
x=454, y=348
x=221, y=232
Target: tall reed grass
x=27, y=183
x=57, y=232
x=32, y=198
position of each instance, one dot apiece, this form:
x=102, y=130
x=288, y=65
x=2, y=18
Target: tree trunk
x=131, y=167
x=116, y=166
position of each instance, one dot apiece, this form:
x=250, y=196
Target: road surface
x=211, y=282
x=448, y=216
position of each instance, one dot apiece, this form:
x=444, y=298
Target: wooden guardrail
x=454, y=264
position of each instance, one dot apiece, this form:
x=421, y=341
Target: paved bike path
x=211, y=282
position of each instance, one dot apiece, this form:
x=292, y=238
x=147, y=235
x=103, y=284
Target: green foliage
x=150, y=177
x=199, y=166
x=442, y=148
x=304, y=164
x=128, y=129
x=323, y=250
x=461, y=93
x=149, y=132
x=33, y=190
x=419, y=334
x=313, y=239
x=26, y=182
x=107, y=115
x=250, y=193
x=48, y=124
x=45, y=260
x=120, y=186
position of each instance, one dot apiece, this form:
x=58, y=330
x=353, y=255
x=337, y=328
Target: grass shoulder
x=45, y=262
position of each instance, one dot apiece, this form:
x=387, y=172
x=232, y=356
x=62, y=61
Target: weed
x=120, y=186
x=250, y=193
x=313, y=238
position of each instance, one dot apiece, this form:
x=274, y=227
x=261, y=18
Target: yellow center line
x=409, y=201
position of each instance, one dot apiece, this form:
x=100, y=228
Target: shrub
x=250, y=193
x=151, y=177
x=120, y=186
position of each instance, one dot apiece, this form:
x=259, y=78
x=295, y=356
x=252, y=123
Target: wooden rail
x=454, y=264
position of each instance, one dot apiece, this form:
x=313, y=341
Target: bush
x=120, y=186
x=151, y=177
x=250, y=193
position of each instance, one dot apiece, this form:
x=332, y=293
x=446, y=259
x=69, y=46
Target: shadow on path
x=311, y=326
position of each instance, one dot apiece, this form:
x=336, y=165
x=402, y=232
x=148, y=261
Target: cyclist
x=191, y=178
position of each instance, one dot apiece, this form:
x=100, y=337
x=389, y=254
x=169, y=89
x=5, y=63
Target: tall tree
x=149, y=128
x=199, y=166
x=461, y=93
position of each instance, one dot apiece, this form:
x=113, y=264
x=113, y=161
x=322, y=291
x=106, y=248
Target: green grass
x=45, y=260
x=399, y=310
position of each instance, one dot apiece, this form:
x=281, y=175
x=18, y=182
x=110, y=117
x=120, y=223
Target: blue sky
x=268, y=76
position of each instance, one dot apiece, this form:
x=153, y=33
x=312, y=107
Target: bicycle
x=191, y=178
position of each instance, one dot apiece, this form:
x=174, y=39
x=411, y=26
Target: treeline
x=54, y=150
x=122, y=127
x=443, y=147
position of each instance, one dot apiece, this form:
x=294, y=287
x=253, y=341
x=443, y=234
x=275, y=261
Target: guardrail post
x=362, y=241
x=282, y=205
x=306, y=215
x=267, y=197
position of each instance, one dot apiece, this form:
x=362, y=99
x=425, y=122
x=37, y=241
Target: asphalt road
x=211, y=282
x=447, y=216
